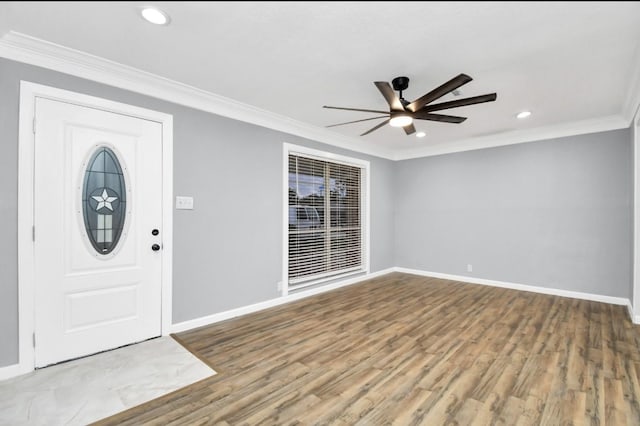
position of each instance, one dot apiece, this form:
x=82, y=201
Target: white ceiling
x=567, y=62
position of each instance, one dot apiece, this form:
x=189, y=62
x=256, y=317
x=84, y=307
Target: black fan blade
x=438, y=92
x=421, y=115
x=409, y=129
x=461, y=102
x=357, y=121
x=357, y=109
x=389, y=95
x=376, y=127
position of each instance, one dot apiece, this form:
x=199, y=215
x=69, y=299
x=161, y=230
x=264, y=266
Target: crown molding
x=23, y=48
x=596, y=125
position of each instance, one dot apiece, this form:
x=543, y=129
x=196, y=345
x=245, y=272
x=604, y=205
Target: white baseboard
x=17, y=369
x=524, y=287
x=11, y=371
x=244, y=310
x=634, y=318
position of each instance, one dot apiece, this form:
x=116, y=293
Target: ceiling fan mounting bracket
x=400, y=83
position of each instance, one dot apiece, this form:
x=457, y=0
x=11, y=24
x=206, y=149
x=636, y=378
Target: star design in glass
x=104, y=200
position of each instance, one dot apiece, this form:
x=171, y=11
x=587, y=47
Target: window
x=326, y=212
x=104, y=200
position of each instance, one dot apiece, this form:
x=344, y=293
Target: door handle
x=155, y=247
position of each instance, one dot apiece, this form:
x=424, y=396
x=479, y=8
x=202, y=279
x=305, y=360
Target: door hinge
x=34, y=339
x=33, y=233
x=34, y=125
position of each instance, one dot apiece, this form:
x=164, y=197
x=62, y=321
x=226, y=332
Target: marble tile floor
x=82, y=391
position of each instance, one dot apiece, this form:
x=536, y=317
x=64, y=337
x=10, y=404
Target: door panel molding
x=26, y=153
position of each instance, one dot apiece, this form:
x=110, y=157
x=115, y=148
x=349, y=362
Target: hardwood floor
x=403, y=349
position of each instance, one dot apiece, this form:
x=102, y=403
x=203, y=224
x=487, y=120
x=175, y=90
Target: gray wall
x=227, y=252
x=554, y=213
x=8, y=219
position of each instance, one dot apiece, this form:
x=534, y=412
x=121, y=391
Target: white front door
x=98, y=236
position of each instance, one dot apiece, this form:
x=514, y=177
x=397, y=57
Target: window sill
x=334, y=277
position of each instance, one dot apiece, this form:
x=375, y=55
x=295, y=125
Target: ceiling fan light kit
x=400, y=120
x=402, y=112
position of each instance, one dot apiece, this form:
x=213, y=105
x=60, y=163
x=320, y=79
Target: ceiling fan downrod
x=400, y=84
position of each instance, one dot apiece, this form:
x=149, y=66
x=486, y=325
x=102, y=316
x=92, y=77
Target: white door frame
x=26, y=154
x=635, y=300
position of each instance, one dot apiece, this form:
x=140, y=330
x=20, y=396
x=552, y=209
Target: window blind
x=325, y=229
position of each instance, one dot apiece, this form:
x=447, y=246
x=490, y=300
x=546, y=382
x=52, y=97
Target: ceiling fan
x=402, y=112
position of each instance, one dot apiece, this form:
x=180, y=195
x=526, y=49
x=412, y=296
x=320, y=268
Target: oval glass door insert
x=104, y=200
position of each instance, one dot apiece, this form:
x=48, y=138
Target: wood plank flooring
x=409, y=350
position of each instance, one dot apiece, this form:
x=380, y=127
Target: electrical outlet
x=469, y=267
x=279, y=285
x=184, y=203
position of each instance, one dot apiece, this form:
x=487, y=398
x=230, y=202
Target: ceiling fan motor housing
x=400, y=83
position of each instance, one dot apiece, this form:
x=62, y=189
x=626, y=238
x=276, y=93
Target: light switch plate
x=184, y=203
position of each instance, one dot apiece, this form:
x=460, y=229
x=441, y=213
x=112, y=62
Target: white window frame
x=365, y=198
x=635, y=297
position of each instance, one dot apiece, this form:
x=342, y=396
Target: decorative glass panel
x=104, y=200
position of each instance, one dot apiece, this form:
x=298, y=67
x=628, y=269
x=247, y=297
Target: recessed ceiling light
x=523, y=114
x=421, y=135
x=155, y=15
